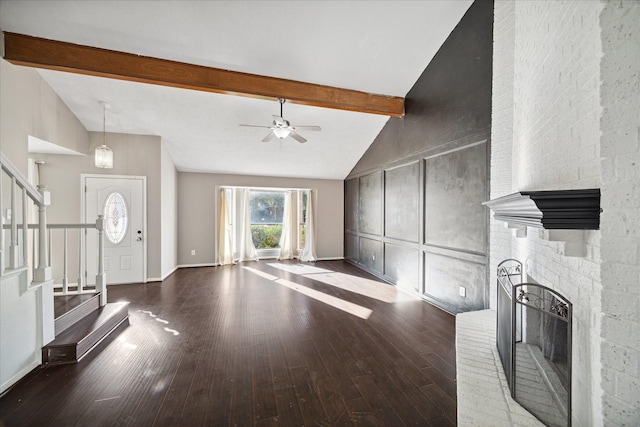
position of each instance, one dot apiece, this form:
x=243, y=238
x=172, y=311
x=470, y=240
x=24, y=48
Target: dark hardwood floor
x=225, y=346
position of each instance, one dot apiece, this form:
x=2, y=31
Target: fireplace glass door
x=541, y=348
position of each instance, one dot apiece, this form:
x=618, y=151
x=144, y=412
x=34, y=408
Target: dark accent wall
x=413, y=212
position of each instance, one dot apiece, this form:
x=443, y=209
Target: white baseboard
x=170, y=272
x=207, y=264
x=160, y=279
x=215, y=264
x=18, y=376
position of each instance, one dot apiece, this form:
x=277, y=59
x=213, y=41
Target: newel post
x=43, y=272
x=101, y=280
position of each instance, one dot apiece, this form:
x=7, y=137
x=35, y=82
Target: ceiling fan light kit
x=281, y=133
x=282, y=128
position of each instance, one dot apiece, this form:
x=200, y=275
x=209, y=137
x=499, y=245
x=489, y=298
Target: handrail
x=41, y=199
x=57, y=226
x=22, y=182
x=80, y=286
x=18, y=259
x=19, y=255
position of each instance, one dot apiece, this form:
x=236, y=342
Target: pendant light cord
x=104, y=124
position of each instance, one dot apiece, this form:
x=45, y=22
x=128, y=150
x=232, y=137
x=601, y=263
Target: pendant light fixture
x=104, y=155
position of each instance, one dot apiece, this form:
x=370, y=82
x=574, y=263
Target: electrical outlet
x=193, y=251
x=463, y=291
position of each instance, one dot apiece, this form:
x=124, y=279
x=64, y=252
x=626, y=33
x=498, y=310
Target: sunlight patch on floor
x=261, y=273
x=367, y=287
x=299, y=268
x=158, y=319
x=349, y=307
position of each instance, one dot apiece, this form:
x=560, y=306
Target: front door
x=121, y=201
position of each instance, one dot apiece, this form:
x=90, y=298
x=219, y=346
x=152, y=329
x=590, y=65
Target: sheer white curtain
x=225, y=231
x=288, y=227
x=309, y=251
x=247, y=247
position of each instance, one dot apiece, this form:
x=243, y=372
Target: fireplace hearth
x=534, y=342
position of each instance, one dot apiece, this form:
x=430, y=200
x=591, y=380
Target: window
x=302, y=217
x=115, y=218
x=267, y=209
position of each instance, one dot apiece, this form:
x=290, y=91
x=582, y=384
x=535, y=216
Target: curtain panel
x=308, y=253
x=247, y=247
x=288, y=227
x=225, y=230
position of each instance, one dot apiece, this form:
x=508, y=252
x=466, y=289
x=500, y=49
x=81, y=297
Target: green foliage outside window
x=303, y=230
x=266, y=236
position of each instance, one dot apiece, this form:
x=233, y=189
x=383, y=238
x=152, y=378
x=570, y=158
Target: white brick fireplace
x=566, y=115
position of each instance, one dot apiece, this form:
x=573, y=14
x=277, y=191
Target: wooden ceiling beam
x=72, y=58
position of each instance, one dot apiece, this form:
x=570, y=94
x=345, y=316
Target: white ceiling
x=374, y=46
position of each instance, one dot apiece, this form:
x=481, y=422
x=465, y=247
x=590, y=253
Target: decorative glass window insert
x=115, y=218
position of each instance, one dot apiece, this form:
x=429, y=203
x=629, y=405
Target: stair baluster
x=25, y=228
x=65, y=280
x=80, y=262
x=13, y=246
x=101, y=281
x=1, y=228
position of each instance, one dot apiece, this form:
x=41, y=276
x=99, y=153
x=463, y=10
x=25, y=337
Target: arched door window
x=115, y=218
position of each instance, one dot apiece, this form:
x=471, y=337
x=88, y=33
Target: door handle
x=139, y=239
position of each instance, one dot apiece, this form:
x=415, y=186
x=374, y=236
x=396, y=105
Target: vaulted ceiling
x=377, y=47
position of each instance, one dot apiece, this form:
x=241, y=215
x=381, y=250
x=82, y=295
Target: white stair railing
x=40, y=197
x=58, y=256
x=18, y=255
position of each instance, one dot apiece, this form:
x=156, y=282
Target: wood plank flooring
x=225, y=346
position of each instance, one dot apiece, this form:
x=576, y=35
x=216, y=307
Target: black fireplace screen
x=509, y=273
x=534, y=343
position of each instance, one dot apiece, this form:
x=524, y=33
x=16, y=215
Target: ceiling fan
x=282, y=128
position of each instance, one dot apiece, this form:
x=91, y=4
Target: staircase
x=80, y=325
x=32, y=332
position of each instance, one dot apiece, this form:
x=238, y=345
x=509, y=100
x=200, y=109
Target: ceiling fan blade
x=297, y=137
x=279, y=120
x=256, y=126
x=308, y=127
x=269, y=137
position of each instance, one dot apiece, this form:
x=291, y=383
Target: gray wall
x=413, y=212
x=168, y=213
x=28, y=106
x=197, y=205
x=132, y=155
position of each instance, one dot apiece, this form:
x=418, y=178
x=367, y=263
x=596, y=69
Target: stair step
x=74, y=343
x=74, y=308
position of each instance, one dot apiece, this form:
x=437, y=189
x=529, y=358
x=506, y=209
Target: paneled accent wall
x=413, y=212
x=421, y=226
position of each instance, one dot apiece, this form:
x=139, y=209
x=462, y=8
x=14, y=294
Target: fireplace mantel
x=550, y=210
